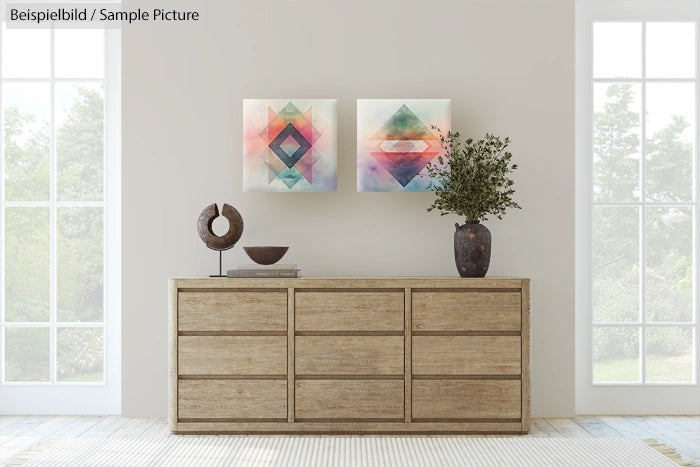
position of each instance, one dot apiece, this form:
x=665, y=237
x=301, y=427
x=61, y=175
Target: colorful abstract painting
x=289, y=144
x=395, y=142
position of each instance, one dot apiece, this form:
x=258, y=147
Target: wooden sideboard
x=350, y=355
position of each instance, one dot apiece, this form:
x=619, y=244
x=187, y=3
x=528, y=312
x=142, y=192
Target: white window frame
x=624, y=398
x=79, y=398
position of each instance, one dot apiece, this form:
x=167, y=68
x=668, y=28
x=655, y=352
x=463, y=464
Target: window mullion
x=53, y=214
x=696, y=231
x=642, y=213
x=2, y=220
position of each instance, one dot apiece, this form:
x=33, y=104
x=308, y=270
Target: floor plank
x=133, y=428
x=6, y=420
x=159, y=429
x=105, y=427
x=21, y=425
x=544, y=429
x=597, y=427
x=27, y=438
x=682, y=423
x=625, y=427
x=78, y=427
x=568, y=428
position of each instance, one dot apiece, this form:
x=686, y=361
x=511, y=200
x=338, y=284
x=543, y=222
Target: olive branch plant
x=471, y=178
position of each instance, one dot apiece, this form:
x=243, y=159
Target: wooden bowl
x=265, y=254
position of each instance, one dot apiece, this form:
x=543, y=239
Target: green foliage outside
x=616, y=266
x=79, y=149
x=471, y=179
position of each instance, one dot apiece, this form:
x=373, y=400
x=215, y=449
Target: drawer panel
x=347, y=355
x=349, y=311
x=466, y=355
x=349, y=399
x=466, y=311
x=466, y=399
x=232, y=355
x=242, y=399
x=232, y=311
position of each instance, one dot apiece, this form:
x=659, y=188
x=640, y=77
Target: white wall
x=508, y=67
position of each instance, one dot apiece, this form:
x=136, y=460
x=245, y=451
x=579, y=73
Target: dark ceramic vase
x=472, y=249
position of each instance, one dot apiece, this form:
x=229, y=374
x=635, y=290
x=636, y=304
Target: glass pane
x=616, y=142
x=615, y=355
x=670, y=140
x=669, y=355
x=79, y=142
x=615, y=264
x=79, y=53
x=669, y=265
x=27, y=354
x=26, y=111
x=26, y=53
x=617, y=50
x=27, y=264
x=670, y=50
x=79, y=354
x=79, y=264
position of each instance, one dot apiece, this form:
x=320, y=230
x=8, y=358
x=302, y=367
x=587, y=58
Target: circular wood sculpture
x=235, y=227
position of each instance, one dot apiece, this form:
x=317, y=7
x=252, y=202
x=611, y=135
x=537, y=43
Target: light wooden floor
x=17, y=433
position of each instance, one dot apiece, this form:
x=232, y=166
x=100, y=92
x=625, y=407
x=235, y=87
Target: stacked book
x=259, y=270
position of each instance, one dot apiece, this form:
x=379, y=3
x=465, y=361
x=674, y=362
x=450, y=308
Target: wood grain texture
x=354, y=428
x=212, y=399
x=466, y=311
x=349, y=311
x=465, y=355
x=349, y=399
x=290, y=354
x=232, y=311
x=525, y=354
x=350, y=355
x=408, y=406
x=232, y=355
x=353, y=283
x=172, y=354
x=480, y=399
x=347, y=355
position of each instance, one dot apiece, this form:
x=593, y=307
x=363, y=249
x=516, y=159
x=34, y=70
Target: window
x=59, y=217
x=637, y=233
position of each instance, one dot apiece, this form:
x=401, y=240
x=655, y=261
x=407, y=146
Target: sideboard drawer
x=349, y=311
x=232, y=311
x=347, y=355
x=349, y=399
x=466, y=355
x=232, y=399
x=232, y=355
x=466, y=399
x=466, y=311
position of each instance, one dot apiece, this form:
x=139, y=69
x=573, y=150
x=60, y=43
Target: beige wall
x=507, y=65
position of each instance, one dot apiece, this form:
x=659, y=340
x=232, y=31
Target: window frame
x=641, y=397
x=55, y=397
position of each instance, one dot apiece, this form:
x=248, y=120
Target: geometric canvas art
x=289, y=144
x=395, y=142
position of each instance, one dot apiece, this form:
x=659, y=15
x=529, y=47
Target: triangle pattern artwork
x=396, y=141
x=289, y=145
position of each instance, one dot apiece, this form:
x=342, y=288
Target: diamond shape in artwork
x=290, y=145
x=276, y=145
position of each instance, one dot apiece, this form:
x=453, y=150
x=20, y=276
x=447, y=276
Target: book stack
x=259, y=270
